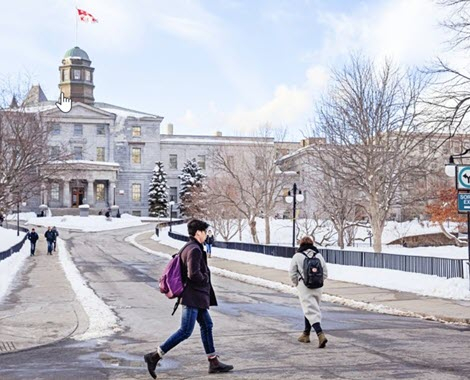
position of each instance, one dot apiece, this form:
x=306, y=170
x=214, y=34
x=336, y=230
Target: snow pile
x=87, y=224
x=10, y=266
x=102, y=321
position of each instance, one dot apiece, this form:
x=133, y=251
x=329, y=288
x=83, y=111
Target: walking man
x=33, y=237
x=198, y=295
x=56, y=233
x=50, y=237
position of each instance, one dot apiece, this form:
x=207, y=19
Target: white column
x=66, y=201
x=111, y=192
x=90, y=198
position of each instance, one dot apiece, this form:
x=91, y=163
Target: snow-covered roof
x=188, y=139
x=86, y=162
x=124, y=112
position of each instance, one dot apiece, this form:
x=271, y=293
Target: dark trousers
x=33, y=248
x=308, y=327
x=50, y=244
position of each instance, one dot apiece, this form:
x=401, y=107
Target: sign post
x=462, y=180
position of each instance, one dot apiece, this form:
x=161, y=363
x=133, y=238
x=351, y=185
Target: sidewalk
x=43, y=310
x=428, y=307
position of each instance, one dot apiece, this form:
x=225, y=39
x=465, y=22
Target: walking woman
x=309, y=298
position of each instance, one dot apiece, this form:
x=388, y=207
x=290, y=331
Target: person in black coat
x=197, y=296
x=50, y=237
x=56, y=234
x=33, y=237
x=209, y=241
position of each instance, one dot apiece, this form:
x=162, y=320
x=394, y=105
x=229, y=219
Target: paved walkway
x=428, y=307
x=45, y=310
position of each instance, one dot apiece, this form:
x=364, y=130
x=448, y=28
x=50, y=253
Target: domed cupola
x=76, y=76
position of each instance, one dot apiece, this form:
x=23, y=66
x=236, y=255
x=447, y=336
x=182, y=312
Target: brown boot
x=304, y=338
x=322, y=341
x=216, y=366
x=152, y=359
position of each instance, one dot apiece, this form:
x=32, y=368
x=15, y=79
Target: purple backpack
x=171, y=283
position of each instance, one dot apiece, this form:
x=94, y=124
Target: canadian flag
x=85, y=16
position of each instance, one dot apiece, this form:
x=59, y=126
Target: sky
x=216, y=65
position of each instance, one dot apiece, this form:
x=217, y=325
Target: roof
x=124, y=112
x=35, y=96
x=76, y=52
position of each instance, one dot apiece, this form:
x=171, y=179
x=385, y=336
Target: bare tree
x=25, y=158
x=373, y=123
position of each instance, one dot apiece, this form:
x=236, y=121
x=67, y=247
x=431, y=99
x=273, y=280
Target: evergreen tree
x=158, y=192
x=191, y=190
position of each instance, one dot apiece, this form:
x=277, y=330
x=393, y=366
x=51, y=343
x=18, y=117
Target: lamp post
x=462, y=184
x=114, y=195
x=171, y=212
x=293, y=197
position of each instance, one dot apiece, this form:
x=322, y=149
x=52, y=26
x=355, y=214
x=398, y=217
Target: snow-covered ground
x=90, y=223
x=454, y=288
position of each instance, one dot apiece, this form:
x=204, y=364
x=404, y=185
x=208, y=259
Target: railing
x=16, y=248
x=438, y=266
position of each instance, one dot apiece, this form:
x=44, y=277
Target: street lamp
x=114, y=195
x=462, y=185
x=296, y=196
x=171, y=211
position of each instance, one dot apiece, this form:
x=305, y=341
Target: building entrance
x=78, y=193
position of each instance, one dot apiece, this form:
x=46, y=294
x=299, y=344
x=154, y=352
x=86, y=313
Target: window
x=230, y=161
x=100, y=192
x=136, y=213
x=173, y=161
x=55, y=130
x=55, y=195
x=87, y=76
x=173, y=194
x=136, y=131
x=136, y=192
x=77, y=152
x=101, y=129
x=76, y=74
x=78, y=129
x=259, y=164
x=100, y=154
x=55, y=152
x=136, y=155
x=66, y=75
x=201, y=161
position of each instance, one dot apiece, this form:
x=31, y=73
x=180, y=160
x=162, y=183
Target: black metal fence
x=16, y=248
x=438, y=266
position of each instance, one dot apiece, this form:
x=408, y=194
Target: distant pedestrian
x=1, y=220
x=309, y=298
x=56, y=234
x=157, y=231
x=50, y=237
x=197, y=296
x=33, y=237
x=209, y=241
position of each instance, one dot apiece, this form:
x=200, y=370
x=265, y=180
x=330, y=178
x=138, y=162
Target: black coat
x=209, y=239
x=198, y=291
x=49, y=235
x=33, y=236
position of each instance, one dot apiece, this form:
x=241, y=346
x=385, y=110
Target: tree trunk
x=267, y=231
x=377, y=225
x=341, y=237
x=254, y=235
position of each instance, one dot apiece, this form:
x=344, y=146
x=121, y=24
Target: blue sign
x=463, y=177
x=464, y=202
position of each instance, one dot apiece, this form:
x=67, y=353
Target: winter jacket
x=50, y=235
x=33, y=237
x=198, y=292
x=309, y=298
x=56, y=233
x=209, y=239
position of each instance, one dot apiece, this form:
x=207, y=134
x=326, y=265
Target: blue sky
x=227, y=65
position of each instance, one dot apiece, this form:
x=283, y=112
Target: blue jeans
x=49, y=246
x=208, y=248
x=33, y=248
x=189, y=317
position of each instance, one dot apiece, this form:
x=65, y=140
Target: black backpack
x=312, y=275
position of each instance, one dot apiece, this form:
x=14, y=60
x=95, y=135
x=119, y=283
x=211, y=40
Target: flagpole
x=76, y=27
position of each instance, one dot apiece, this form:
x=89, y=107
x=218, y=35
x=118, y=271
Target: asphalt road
x=255, y=329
